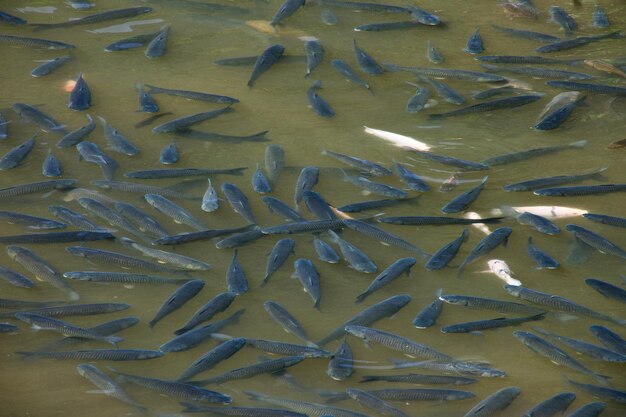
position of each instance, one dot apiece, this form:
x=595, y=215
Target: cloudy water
x=201, y=33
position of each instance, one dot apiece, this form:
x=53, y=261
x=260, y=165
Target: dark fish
x=527, y=34
x=287, y=321
x=11, y=20
x=594, y=88
x=51, y=166
x=49, y=66
x=443, y=256
x=236, y=280
x=444, y=90
x=97, y=354
x=220, y=137
x=288, y=349
x=609, y=338
x=277, y=257
x=238, y=201
x=449, y=160
x=63, y=327
x=240, y=239
x=181, y=261
x=355, y=257
x=131, y=43
x=196, y=336
x=274, y=161
x=463, y=200
x=474, y=44
x=367, y=6
x=117, y=141
x=499, y=400
x=533, y=59
x=177, y=299
x=137, y=188
x=595, y=240
x=435, y=220
x=309, y=278
x=558, y=303
x=97, y=208
x=610, y=394
x=316, y=204
x=267, y=58
x=182, y=238
x=539, y=223
x=176, y=389
x=106, y=384
x=344, y=69
x=122, y=277
x=314, y=55
x=393, y=271
x=147, y=104
x=559, y=15
x=553, y=181
x=30, y=222
x=558, y=109
x=325, y=252
x=542, y=259
x=192, y=95
x=375, y=187
x=424, y=17
x=118, y=259
x=211, y=358
x=606, y=289
x=57, y=237
x=276, y=206
x=592, y=409
x=17, y=304
x=90, y=152
x=95, y=18
x=37, y=117
x=260, y=183
x=240, y=411
x=420, y=379
x=531, y=153
x=237, y=61
x=552, y=406
x=16, y=155
x=498, y=104
x=413, y=181
x=306, y=180
x=379, y=27
x=362, y=164
x=35, y=42
x=578, y=190
x=80, y=96
x=375, y=403
x=185, y=122
x=285, y=10
x=372, y=204
x=318, y=104
x=433, y=54
x=158, y=45
x=140, y=219
x=486, y=245
x=366, y=61
x=182, y=172
x=269, y=366
x=396, y=342
x=449, y=73
x=65, y=310
x=599, y=19
x=174, y=211
x=8, y=328
x=340, y=364
x=36, y=187
x=217, y=304
x=14, y=278
x=538, y=72
x=428, y=315
x=417, y=101
x=585, y=348
x=576, y=42
x=473, y=326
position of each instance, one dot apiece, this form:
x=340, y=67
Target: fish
x=65, y=328
x=211, y=358
x=51, y=166
x=592, y=409
x=385, y=308
x=120, y=259
x=274, y=161
x=309, y=278
x=49, y=66
x=198, y=335
x=593, y=88
x=413, y=181
x=44, y=309
x=157, y=46
x=260, y=183
x=559, y=15
x=539, y=223
x=498, y=104
x=94, y=18
x=462, y=201
x=182, y=172
x=435, y=220
x=140, y=219
x=375, y=187
x=424, y=17
x=192, y=95
x=220, y=137
x=57, y=237
x=486, y=245
x=105, y=329
x=340, y=365
x=131, y=43
x=206, y=312
x=178, y=298
x=90, y=152
x=289, y=323
x=174, y=211
x=267, y=58
x=578, y=190
x=609, y=338
x=604, y=66
x=599, y=19
x=117, y=141
x=137, y=188
x=532, y=153
x=180, y=261
x=238, y=201
x=372, y=401
x=556, y=355
x=42, y=270
x=185, y=122
x=122, y=277
x=314, y=52
x=10, y=19
x=452, y=161
x=107, y=385
x=372, y=204
x=277, y=257
x=96, y=354
x=363, y=165
x=379, y=27
x=545, y=182
x=344, y=69
x=606, y=289
x=526, y=59
x=595, y=240
x=433, y=54
x=30, y=222
x=240, y=239
x=80, y=96
x=552, y=406
x=325, y=252
x=35, y=42
x=268, y=366
x=499, y=400
x=286, y=9
x=527, y=34
x=448, y=73
x=355, y=258
x=35, y=187
x=542, y=259
x=473, y=326
x=502, y=270
x=169, y=154
x=147, y=104
x=558, y=110
x=182, y=238
x=446, y=253
x=611, y=394
x=288, y=349
x=8, y=328
x=576, y=42
x=35, y=116
x=17, y=304
x=393, y=271
x=428, y=315
x=306, y=180
x=585, y=348
x=446, y=92
x=317, y=206
x=538, y=72
x=210, y=201
x=420, y=379
x=417, y=101
x=176, y=389
x=474, y=44
x=236, y=280
x=398, y=140
x=366, y=62
x=558, y=303
x=97, y=208
x=15, y=278
x=17, y=154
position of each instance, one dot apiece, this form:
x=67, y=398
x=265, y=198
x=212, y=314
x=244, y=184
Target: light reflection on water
x=278, y=103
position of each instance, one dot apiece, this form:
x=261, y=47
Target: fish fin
x=360, y=298
x=477, y=333
x=114, y=340
x=101, y=391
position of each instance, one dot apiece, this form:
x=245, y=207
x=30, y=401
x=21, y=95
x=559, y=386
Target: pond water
x=277, y=102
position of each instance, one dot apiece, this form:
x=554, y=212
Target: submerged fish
x=267, y=58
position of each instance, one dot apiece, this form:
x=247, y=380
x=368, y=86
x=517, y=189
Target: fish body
x=192, y=95
x=449, y=73
x=217, y=304
x=592, y=409
x=63, y=327
x=428, y=315
x=285, y=10
x=317, y=103
x=35, y=42
x=532, y=153
x=594, y=88
x=424, y=17
x=452, y=161
x=433, y=54
x=576, y=42
x=241, y=238
x=118, y=259
x=532, y=59
x=274, y=161
x=183, y=123
x=184, y=262
x=541, y=258
x=236, y=280
x=97, y=208
x=238, y=201
x=344, y=69
x=446, y=253
x=552, y=406
x=306, y=180
x=366, y=62
x=578, y=190
x=267, y=58
x=609, y=338
x=474, y=44
x=51, y=166
x=446, y=92
x=178, y=298
x=539, y=223
x=309, y=278
x=362, y=164
x=486, y=245
x=559, y=109
x=31, y=222
x=16, y=155
x=287, y=321
x=382, y=236
x=269, y=366
x=277, y=257
x=35, y=187
x=314, y=55
x=473, y=326
x=560, y=16
x=211, y=358
x=606, y=289
x=139, y=218
x=182, y=172
x=501, y=269
x=260, y=183
x=122, y=277
x=527, y=34
x=355, y=257
x=539, y=72
x=553, y=181
x=371, y=401
x=158, y=45
x=595, y=240
x=96, y=18
x=316, y=204
x=585, y=348
x=376, y=187
x=80, y=96
x=58, y=237
x=173, y=210
x=169, y=154
x=15, y=278
x=498, y=104
x=400, y=141
x=107, y=385
x=182, y=238
x=90, y=152
x=372, y=204
x=49, y=66
x=436, y=220
x=340, y=364
x=117, y=141
x=463, y=200
x=599, y=19
x=390, y=273
x=97, y=354
x=147, y=104
x=489, y=304
x=499, y=400
x=417, y=101
x=325, y=252
x=210, y=201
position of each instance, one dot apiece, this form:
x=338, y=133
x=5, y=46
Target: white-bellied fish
x=501, y=269
x=398, y=140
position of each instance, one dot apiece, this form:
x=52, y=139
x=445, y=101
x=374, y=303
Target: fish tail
x=578, y=144
x=181, y=331
x=360, y=298
x=435, y=116
x=257, y=396
x=621, y=322
x=369, y=378
x=602, y=379
x=114, y=340
x=38, y=27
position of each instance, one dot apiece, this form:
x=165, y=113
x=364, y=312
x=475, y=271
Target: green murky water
x=278, y=103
